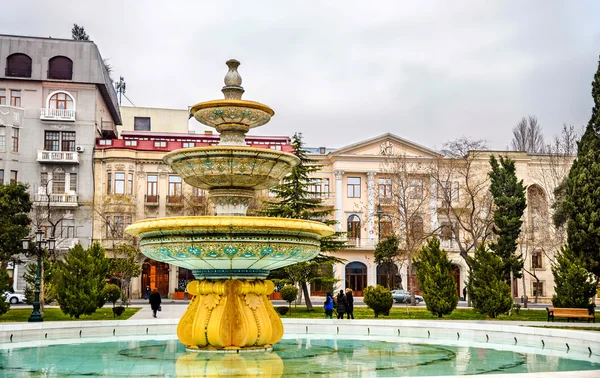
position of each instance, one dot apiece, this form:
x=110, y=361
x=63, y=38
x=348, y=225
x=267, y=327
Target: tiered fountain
x=230, y=254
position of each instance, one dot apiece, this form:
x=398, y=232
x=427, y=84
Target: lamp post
x=39, y=248
x=379, y=213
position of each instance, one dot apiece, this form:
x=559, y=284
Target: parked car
x=14, y=298
x=403, y=296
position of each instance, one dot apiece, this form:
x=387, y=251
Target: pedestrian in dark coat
x=349, y=304
x=341, y=304
x=155, y=301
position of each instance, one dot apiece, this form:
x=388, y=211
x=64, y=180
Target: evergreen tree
x=49, y=287
x=4, y=287
x=581, y=202
x=81, y=280
x=78, y=33
x=509, y=200
x=294, y=200
x=434, y=271
x=574, y=286
x=386, y=253
x=489, y=293
x=14, y=220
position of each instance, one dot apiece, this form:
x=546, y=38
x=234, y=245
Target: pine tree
x=294, y=200
x=509, y=200
x=434, y=271
x=49, y=287
x=574, y=286
x=78, y=33
x=81, y=280
x=14, y=220
x=489, y=293
x=581, y=202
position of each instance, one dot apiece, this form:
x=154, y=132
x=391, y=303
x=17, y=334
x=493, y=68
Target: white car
x=14, y=298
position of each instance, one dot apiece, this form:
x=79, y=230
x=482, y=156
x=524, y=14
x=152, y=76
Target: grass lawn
x=55, y=314
x=420, y=313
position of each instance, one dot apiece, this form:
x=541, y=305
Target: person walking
x=341, y=305
x=349, y=303
x=328, y=306
x=147, y=296
x=155, y=301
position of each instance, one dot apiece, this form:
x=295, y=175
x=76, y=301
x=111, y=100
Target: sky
x=343, y=72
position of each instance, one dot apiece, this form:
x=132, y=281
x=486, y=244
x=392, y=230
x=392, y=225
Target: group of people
x=343, y=303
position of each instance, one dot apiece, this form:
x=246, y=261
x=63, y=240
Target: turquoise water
x=290, y=358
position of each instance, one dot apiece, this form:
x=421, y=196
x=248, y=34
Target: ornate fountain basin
x=231, y=166
x=223, y=247
x=242, y=112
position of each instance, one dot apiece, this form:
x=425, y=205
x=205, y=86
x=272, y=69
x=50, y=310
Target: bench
x=570, y=313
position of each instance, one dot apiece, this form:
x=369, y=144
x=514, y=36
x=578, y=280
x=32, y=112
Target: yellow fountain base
x=230, y=316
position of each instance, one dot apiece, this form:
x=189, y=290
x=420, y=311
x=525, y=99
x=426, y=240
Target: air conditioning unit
x=79, y=149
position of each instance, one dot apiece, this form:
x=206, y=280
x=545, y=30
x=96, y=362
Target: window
x=18, y=65
x=174, y=186
x=73, y=182
x=2, y=96
x=109, y=183
x=536, y=260
x=152, y=188
x=61, y=101
x=130, y=183
x=446, y=232
x=353, y=227
x=51, y=140
x=416, y=189
x=58, y=182
x=60, y=68
x=385, y=187
x=386, y=227
x=141, y=123
x=449, y=193
x=2, y=138
x=189, y=144
x=119, y=183
x=15, y=98
x=128, y=143
x=416, y=228
x=1, y=176
x=68, y=141
x=197, y=192
x=315, y=188
x=275, y=147
x=326, y=188
x=13, y=177
x=105, y=142
x=537, y=288
x=116, y=225
x=353, y=187
x=44, y=182
x=160, y=144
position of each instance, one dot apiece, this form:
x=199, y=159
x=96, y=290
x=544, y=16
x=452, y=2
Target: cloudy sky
x=428, y=71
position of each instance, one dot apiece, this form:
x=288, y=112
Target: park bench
x=570, y=313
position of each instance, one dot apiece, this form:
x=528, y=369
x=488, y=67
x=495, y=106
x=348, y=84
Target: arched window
x=353, y=227
x=356, y=277
x=61, y=101
x=61, y=68
x=18, y=65
x=388, y=276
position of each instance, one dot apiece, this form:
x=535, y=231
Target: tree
x=574, y=286
x=582, y=191
x=386, y=253
x=14, y=221
x=294, y=200
x=4, y=287
x=509, y=202
x=379, y=299
x=527, y=136
x=78, y=33
x=289, y=294
x=81, y=280
x=487, y=289
x=48, y=290
x=434, y=271
x=125, y=266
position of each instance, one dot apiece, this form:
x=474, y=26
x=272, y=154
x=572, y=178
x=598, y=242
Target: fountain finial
x=233, y=81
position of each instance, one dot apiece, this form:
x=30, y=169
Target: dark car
x=403, y=296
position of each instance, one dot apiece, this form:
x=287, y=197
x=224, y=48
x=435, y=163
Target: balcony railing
x=449, y=245
x=17, y=71
x=56, y=200
x=151, y=200
x=50, y=114
x=66, y=157
x=174, y=200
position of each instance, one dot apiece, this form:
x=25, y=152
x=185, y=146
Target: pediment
x=387, y=144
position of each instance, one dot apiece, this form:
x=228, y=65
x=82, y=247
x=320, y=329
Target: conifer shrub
x=289, y=293
x=112, y=293
x=490, y=295
x=434, y=271
x=4, y=286
x=379, y=299
x=574, y=285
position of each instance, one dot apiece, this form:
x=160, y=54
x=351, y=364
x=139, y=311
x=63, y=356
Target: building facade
x=56, y=98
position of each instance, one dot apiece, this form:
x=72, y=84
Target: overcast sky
x=427, y=71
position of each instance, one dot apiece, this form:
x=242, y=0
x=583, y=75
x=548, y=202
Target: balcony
x=174, y=201
x=449, y=245
x=151, y=200
x=64, y=157
x=49, y=114
x=55, y=200
x=362, y=243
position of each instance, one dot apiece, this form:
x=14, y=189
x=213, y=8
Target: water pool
x=294, y=356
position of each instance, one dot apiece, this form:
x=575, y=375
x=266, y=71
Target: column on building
x=173, y=279
x=338, y=199
x=371, y=206
x=433, y=204
x=371, y=273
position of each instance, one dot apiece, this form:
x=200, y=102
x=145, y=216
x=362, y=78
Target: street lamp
x=379, y=213
x=38, y=250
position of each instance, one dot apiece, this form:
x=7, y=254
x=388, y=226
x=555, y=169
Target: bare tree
x=527, y=136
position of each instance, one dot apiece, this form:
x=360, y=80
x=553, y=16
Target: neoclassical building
x=418, y=192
